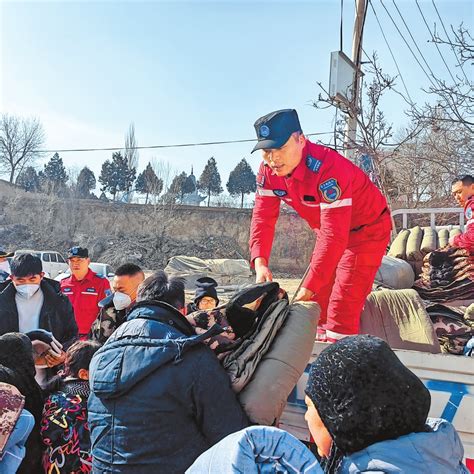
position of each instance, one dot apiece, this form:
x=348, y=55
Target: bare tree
x=452, y=102
x=163, y=171
x=375, y=135
x=423, y=168
x=131, y=152
x=462, y=43
x=20, y=142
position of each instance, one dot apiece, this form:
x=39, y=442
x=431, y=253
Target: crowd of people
x=114, y=378
x=49, y=334
x=139, y=392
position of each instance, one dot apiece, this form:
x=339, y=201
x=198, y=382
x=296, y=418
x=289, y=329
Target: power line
x=436, y=44
x=408, y=46
x=391, y=52
x=449, y=41
x=413, y=39
x=152, y=147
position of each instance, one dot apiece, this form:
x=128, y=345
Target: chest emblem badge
x=330, y=190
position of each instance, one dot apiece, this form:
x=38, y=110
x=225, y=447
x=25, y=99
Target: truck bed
x=449, y=378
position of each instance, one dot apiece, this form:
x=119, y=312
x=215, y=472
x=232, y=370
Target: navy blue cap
x=80, y=252
x=274, y=129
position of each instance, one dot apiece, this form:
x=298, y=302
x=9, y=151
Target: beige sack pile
x=413, y=244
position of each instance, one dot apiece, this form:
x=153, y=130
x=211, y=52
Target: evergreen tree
x=108, y=178
x=28, y=180
x=116, y=176
x=242, y=180
x=188, y=185
x=148, y=183
x=125, y=175
x=85, y=183
x=54, y=176
x=210, y=180
x=177, y=185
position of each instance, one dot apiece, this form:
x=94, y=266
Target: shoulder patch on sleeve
x=469, y=213
x=313, y=164
x=330, y=190
x=260, y=180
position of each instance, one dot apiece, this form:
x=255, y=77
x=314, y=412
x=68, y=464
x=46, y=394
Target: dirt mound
x=149, y=252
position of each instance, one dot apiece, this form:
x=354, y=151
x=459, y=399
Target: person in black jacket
x=159, y=397
x=29, y=302
x=17, y=368
x=114, y=308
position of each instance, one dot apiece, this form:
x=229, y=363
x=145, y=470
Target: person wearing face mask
x=114, y=308
x=205, y=297
x=4, y=265
x=30, y=302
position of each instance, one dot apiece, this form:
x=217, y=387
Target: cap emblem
x=264, y=131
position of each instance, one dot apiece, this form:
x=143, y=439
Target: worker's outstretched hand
x=263, y=272
x=304, y=294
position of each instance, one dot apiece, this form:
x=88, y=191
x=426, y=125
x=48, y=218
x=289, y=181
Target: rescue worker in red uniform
x=463, y=192
x=84, y=288
x=346, y=210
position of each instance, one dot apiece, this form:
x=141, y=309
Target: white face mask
x=27, y=291
x=121, y=300
x=5, y=267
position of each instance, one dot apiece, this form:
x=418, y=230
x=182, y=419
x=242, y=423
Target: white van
x=53, y=262
x=102, y=269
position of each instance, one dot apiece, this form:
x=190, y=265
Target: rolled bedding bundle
x=277, y=373
x=455, y=231
x=394, y=273
x=443, y=238
x=398, y=249
x=429, y=241
x=413, y=249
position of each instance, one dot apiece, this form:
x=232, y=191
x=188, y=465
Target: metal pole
x=351, y=123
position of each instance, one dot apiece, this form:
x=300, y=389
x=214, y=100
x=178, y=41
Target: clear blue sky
x=188, y=72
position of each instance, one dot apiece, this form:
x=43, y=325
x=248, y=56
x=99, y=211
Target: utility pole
x=351, y=122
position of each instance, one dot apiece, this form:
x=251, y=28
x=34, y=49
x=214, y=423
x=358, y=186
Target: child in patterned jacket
x=64, y=428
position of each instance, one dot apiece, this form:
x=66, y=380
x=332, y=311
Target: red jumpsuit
x=352, y=224
x=466, y=240
x=85, y=296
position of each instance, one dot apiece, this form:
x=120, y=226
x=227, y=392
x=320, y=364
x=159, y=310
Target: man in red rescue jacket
x=463, y=192
x=348, y=213
x=84, y=288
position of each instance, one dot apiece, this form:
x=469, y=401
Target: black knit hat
x=205, y=286
x=18, y=368
x=364, y=394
